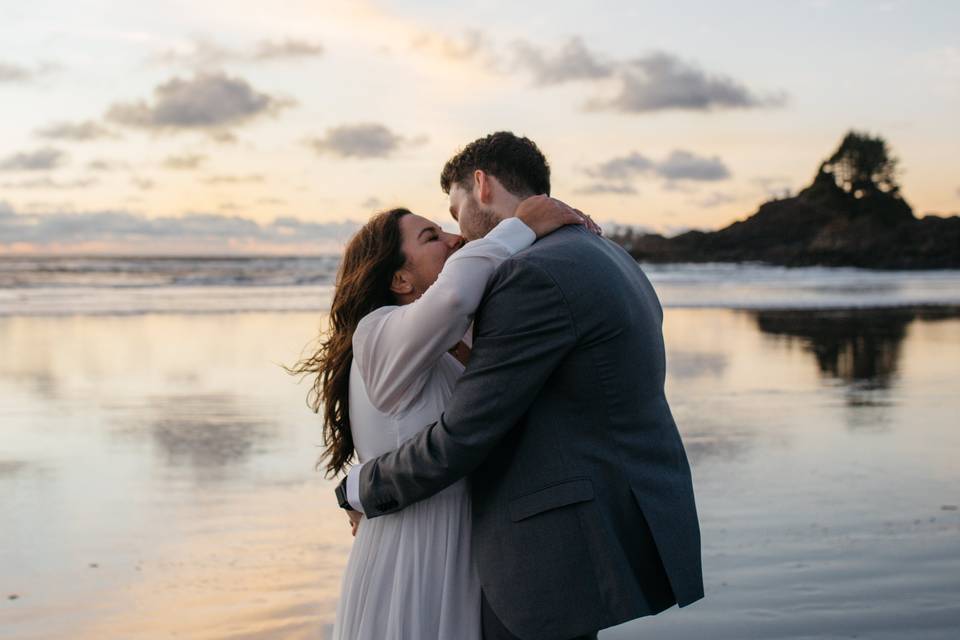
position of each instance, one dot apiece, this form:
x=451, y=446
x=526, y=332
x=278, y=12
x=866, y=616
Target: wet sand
x=156, y=477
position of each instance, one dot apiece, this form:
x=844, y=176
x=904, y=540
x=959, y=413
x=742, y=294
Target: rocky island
x=851, y=215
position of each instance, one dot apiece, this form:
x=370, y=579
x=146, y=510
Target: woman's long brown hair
x=363, y=285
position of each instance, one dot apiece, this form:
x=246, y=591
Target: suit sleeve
x=524, y=331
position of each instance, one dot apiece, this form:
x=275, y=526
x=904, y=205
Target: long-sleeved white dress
x=410, y=575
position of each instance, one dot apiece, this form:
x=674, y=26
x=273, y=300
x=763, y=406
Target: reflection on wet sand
x=859, y=346
x=203, y=431
x=10, y=467
x=860, y=349
x=175, y=455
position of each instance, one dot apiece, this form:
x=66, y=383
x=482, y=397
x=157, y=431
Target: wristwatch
x=341, y=493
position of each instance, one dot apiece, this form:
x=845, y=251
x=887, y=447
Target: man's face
x=475, y=220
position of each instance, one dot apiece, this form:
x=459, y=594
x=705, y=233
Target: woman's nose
x=454, y=241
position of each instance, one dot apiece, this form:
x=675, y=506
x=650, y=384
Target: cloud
x=37, y=160
x=14, y=73
x=372, y=203
x=606, y=188
x=76, y=131
x=206, y=54
x=199, y=53
x=716, y=199
x=361, y=141
x=774, y=186
x=679, y=165
x=616, y=176
x=144, y=184
x=661, y=81
x=471, y=44
x=684, y=165
x=100, y=164
x=185, y=162
x=231, y=179
x=208, y=101
x=123, y=230
x=49, y=183
x=654, y=82
x=573, y=62
x=622, y=168
x=287, y=49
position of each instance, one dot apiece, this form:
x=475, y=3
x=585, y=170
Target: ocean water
x=106, y=285
x=157, y=464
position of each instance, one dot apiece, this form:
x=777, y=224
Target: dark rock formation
x=851, y=215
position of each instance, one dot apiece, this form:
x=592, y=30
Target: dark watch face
x=341, y=494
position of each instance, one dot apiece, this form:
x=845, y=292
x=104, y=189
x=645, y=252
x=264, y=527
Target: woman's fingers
x=589, y=223
x=544, y=214
x=355, y=518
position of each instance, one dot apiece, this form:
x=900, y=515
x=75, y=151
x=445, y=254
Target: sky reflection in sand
x=174, y=454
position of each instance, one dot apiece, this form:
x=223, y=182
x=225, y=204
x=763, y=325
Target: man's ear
x=483, y=186
x=400, y=284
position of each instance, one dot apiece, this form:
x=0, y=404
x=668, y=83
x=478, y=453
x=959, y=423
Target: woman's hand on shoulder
x=544, y=215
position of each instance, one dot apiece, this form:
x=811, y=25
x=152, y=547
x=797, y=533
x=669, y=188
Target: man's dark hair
x=516, y=162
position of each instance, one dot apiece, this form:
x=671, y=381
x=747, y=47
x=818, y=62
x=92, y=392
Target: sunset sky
x=250, y=126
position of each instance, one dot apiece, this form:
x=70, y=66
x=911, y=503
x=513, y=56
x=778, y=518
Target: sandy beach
x=156, y=476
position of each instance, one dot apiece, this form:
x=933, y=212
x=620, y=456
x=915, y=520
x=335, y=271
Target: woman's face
x=426, y=247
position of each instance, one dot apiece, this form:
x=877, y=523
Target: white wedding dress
x=410, y=575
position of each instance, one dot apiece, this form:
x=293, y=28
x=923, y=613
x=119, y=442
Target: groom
x=583, y=507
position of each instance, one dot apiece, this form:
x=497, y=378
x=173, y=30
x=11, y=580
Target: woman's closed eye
x=429, y=234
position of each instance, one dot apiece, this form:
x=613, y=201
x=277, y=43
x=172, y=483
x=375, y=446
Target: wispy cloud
x=685, y=165
x=185, y=162
x=288, y=49
x=100, y=164
x=365, y=140
x=661, y=81
x=572, y=62
x=616, y=176
x=206, y=54
x=623, y=167
x=471, y=45
x=47, y=183
x=38, y=160
x=607, y=188
x=654, y=82
x=679, y=165
x=144, y=184
x=13, y=73
x=372, y=203
x=774, y=186
x=76, y=131
x=235, y=179
x=207, y=101
x=715, y=199
x=195, y=231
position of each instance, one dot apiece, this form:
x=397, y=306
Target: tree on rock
x=861, y=170
x=862, y=166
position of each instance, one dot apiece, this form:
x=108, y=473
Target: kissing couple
x=519, y=472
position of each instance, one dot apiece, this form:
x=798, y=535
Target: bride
x=398, y=340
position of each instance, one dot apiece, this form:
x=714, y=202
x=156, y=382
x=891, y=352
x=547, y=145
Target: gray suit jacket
x=583, y=507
